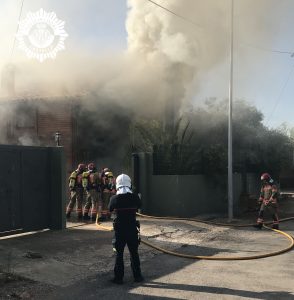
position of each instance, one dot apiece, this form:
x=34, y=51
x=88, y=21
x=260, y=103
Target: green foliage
x=171, y=147
x=198, y=141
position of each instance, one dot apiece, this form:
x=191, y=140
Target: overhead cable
x=281, y=93
x=287, y=79
x=269, y=50
x=13, y=45
x=175, y=14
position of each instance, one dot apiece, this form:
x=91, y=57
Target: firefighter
x=103, y=171
x=76, y=191
x=107, y=190
x=125, y=205
x=268, y=201
x=91, y=184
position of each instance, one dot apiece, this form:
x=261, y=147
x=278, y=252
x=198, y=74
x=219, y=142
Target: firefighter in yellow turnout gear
x=107, y=190
x=92, y=184
x=76, y=191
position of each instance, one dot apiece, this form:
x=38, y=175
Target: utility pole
x=230, y=125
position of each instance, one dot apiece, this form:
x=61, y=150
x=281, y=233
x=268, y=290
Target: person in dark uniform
x=125, y=205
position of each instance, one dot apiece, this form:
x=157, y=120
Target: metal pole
x=230, y=125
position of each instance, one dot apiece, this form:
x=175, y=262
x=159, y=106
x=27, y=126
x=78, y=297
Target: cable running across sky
x=175, y=14
x=13, y=45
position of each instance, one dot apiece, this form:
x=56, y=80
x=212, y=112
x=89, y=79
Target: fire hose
x=258, y=256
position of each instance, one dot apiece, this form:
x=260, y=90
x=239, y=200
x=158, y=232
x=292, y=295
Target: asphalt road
x=77, y=263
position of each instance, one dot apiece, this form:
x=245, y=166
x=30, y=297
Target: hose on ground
x=207, y=222
x=258, y=256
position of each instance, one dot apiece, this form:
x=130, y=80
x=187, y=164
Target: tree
x=198, y=141
x=172, y=148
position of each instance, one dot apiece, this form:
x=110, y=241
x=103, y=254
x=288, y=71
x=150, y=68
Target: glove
x=113, y=245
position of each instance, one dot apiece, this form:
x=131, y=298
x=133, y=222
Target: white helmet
x=123, y=180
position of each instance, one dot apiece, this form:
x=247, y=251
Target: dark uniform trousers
x=127, y=237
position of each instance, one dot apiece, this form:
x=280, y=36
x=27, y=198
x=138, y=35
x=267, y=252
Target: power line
x=13, y=45
x=281, y=93
x=269, y=50
x=172, y=12
x=287, y=79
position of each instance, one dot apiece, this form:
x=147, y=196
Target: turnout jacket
x=91, y=180
x=125, y=207
x=269, y=193
x=75, y=180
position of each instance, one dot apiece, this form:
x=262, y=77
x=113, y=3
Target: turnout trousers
x=105, y=214
x=129, y=237
x=271, y=208
x=93, y=199
x=76, y=197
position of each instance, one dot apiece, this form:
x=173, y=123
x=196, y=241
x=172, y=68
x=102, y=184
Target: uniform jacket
x=75, y=180
x=269, y=193
x=125, y=207
x=108, y=183
x=91, y=180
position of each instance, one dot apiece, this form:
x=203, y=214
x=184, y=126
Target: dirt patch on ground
x=13, y=286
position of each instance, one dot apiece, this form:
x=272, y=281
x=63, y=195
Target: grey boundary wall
x=32, y=188
x=187, y=195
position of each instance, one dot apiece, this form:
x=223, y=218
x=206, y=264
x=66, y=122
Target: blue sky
x=98, y=24
x=262, y=76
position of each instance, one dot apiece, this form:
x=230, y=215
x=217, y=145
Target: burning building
x=87, y=133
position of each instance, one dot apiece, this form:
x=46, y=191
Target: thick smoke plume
x=164, y=54
x=158, y=72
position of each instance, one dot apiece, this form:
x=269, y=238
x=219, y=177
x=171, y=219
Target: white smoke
x=162, y=65
x=177, y=49
x=26, y=140
x=163, y=57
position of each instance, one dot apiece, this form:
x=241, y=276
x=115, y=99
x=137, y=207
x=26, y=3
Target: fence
x=32, y=188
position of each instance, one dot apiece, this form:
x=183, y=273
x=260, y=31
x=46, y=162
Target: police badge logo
x=41, y=35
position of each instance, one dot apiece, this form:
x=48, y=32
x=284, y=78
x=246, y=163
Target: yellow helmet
x=109, y=174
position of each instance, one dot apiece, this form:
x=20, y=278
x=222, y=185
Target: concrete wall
x=186, y=195
x=32, y=189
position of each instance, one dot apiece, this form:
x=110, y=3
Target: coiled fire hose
x=269, y=254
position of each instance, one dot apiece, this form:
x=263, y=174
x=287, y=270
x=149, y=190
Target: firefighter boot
x=101, y=219
x=275, y=226
x=68, y=215
x=80, y=216
x=86, y=217
x=258, y=226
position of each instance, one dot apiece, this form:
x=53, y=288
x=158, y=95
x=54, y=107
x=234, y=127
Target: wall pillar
x=58, y=189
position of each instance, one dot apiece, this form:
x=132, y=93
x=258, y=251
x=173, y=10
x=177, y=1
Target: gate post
x=58, y=190
x=143, y=170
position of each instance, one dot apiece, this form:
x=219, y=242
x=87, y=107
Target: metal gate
x=31, y=188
